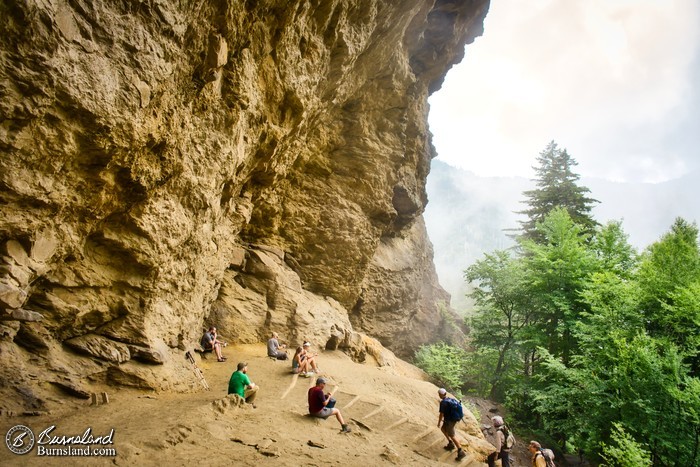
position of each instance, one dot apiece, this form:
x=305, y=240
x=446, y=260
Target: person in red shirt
x=318, y=401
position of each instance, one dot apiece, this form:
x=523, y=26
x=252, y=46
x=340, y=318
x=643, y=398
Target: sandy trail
x=391, y=410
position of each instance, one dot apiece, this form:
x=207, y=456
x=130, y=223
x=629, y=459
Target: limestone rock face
x=254, y=165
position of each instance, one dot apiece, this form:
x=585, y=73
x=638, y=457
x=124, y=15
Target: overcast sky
x=615, y=82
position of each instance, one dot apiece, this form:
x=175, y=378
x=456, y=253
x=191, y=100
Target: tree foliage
x=557, y=187
x=558, y=266
x=624, y=451
x=444, y=363
x=601, y=346
x=504, y=310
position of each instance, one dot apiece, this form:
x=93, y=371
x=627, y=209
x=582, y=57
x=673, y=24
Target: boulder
x=72, y=388
x=139, y=378
x=33, y=337
x=11, y=296
x=100, y=347
x=147, y=354
x=20, y=314
x=44, y=247
x=8, y=330
x=16, y=251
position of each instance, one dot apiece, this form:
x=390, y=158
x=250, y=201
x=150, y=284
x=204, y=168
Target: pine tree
x=557, y=187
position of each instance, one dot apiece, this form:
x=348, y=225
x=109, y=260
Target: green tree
x=557, y=267
x=620, y=374
x=669, y=278
x=503, y=310
x=613, y=250
x=556, y=187
x=624, y=450
x=670, y=263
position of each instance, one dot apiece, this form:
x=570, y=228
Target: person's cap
x=242, y=365
x=321, y=380
x=307, y=344
x=442, y=391
x=497, y=421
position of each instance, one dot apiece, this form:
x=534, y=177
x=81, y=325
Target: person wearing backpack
x=503, y=443
x=541, y=457
x=450, y=413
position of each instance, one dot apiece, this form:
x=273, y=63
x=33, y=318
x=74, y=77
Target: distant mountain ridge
x=466, y=214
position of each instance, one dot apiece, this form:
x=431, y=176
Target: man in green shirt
x=240, y=384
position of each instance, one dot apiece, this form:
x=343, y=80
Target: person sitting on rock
x=210, y=342
x=318, y=404
x=300, y=366
x=275, y=349
x=308, y=356
x=240, y=384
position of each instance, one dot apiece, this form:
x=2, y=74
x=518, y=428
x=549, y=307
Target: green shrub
x=624, y=450
x=444, y=363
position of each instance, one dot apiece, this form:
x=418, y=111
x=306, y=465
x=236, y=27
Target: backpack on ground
x=509, y=439
x=454, y=411
x=548, y=455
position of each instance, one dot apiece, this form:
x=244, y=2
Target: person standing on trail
x=538, y=459
x=240, y=384
x=448, y=419
x=500, y=443
x=275, y=349
x=318, y=404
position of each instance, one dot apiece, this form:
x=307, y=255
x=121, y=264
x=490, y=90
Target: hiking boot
x=345, y=429
x=450, y=446
x=461, y=454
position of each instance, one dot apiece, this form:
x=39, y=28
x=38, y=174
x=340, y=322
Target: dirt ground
x=392, y=412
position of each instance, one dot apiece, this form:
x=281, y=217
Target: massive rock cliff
x=255, y=165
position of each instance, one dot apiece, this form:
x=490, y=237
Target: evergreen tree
x=556, y=187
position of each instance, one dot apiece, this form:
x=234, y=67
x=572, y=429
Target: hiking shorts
x=324, y=413
x=448, y=426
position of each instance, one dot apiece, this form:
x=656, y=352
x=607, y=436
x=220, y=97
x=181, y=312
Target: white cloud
x=610, y=80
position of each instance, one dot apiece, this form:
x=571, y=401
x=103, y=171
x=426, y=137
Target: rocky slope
x=392, y=412
x=254, y=165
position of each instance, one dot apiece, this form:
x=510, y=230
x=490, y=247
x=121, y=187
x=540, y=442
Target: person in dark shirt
x=211, y=342
x=448, y=425
x=318, y=401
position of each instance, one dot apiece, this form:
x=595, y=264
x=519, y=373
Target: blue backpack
x=453, y=409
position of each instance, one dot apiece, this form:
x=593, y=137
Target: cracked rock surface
x=256, y=166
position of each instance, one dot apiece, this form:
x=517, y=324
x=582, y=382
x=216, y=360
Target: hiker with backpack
x=504, y=442
x=541, y=457
x=450, y=413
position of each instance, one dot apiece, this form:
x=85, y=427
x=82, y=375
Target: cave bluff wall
x=256, y=165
